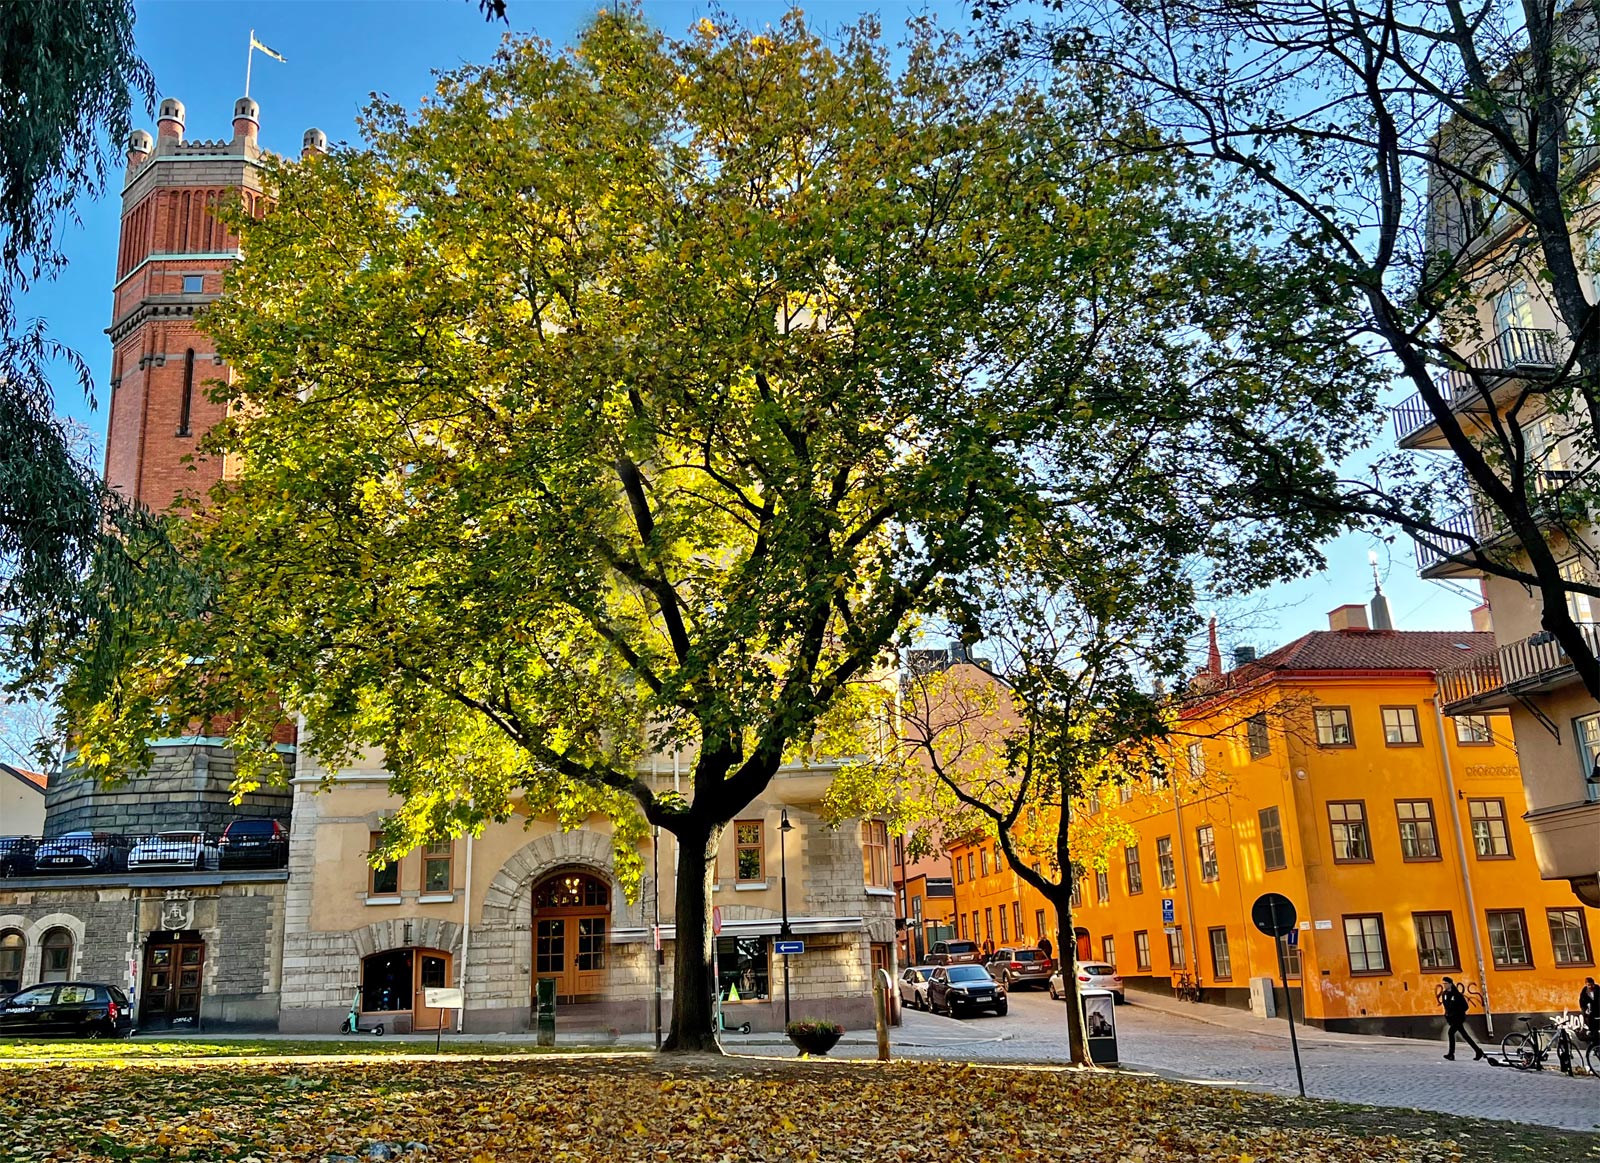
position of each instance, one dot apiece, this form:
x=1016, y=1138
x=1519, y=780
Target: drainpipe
x=1461, y=857
x=466, y=940
x=1188, y=892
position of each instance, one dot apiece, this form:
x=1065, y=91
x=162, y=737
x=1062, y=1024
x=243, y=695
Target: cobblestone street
x=1236, y=1049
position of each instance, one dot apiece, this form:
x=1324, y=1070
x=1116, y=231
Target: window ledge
x=385, y=900
x=873, y=890
x=750, y=886
x=436, y=898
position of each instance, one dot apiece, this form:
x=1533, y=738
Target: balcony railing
x=1486, y=524
x=1513, y=352
x=1533, y=663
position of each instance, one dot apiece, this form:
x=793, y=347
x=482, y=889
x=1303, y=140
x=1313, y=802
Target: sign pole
x=1288, y=1001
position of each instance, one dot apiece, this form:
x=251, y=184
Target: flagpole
x=249, y=55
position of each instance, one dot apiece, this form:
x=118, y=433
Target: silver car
x=185, y=849
x=1091, y=975
x=913, y=986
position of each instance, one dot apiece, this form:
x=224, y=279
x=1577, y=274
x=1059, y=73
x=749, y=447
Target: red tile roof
x=1380, y=650
x=37, y=778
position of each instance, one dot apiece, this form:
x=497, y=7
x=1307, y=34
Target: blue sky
x=338, y=53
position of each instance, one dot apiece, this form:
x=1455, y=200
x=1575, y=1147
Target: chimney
x=313, y=143
x=170, y=123
x=958, y=652
x=1482, y=618
x=246, y=119
x=1213, y=651
x=140, y=146
x=1243, y=655
x=1352, y=616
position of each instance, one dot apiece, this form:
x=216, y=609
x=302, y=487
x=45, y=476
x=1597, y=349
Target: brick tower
x=171, y=259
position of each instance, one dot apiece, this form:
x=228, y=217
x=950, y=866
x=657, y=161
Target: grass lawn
x=117, y=1050
x=559, y=1109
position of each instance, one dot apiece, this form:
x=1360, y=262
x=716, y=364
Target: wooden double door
x=170, y=985
x=571, y=925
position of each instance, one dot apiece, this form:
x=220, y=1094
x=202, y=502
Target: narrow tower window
x=188, y=393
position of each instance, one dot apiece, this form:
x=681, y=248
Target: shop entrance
x=174, y=967
x=392, y=984
x=571, y=911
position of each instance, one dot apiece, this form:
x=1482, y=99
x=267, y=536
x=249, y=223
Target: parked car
x=965, y=989
x=175, y=850
x=257, y=843
x=1013, y=967
x=82, y=852
x=16, y=855
x=1092, y=975
x=70, y=1009
x=955, y=953
x=913, y=986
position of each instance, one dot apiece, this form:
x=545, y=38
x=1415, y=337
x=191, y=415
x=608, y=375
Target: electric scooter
x=352, y=1020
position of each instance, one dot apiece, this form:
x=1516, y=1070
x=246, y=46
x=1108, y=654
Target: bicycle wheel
x=1519, y=1050
x=1591, y=1059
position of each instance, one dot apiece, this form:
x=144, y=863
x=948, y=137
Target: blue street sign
x=1294, y=938
x=787, y=947
x=1168, y=915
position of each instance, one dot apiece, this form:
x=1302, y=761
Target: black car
x=962, y=989
x=71, y=1009
x=258, y=843
x=16, y=855
x=82, y=852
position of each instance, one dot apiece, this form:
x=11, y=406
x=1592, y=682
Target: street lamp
x=784, y=828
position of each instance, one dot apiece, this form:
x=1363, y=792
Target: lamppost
x=784, y=828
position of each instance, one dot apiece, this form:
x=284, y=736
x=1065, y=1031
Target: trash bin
x=1100, y=1022
x=545, y=1011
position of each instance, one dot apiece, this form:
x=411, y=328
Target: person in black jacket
x=1589, y=1007
x=1455, y=1018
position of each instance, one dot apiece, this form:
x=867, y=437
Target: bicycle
x=1187, y=989
x=1530, y=1049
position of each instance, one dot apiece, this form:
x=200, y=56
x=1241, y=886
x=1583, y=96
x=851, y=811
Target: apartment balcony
x=1486, y=525
x=1515, y=354
x=1564, y=846
x=1534, y=664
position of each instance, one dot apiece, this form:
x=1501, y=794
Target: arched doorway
x=393, y=984
x=571, y=915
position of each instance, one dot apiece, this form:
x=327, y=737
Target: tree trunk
x=1067, y=953
x=694, y=1016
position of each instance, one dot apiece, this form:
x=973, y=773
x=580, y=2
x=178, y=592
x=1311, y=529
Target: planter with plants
x=814, y=1037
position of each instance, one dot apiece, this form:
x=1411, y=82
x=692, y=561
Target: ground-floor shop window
x=742, y=968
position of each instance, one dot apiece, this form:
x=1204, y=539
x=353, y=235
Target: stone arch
x=33, y=931
x=508, y=899
x=392, y=933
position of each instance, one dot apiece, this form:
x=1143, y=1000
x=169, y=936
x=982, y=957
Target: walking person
x=1589, y=1007
x=1455, y=1018
x=1044, y=944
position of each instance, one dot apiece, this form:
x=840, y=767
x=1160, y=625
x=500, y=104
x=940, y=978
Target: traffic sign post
x=1273, y=914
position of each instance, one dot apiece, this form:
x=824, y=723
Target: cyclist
x=1455, y=1018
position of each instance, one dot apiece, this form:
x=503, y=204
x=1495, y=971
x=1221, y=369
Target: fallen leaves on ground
x=555, y=1110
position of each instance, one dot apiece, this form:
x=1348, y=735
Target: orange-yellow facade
x=1398, y=836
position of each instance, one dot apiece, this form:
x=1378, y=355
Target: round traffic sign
x=1273, y=913
x=716, y=920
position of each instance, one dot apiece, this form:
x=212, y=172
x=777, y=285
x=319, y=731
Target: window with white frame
x=1587, y=732
x=1582, y=607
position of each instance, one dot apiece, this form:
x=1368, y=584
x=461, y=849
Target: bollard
x=880, y=1011
x=545, y=1004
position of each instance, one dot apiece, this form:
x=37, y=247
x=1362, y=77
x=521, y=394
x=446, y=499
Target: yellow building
x=1325, y=772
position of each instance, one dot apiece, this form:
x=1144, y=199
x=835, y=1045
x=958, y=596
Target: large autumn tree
x=640, y=396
